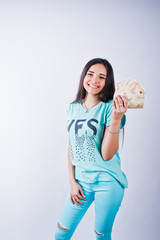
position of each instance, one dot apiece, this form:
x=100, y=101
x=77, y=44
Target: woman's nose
x=95, y=79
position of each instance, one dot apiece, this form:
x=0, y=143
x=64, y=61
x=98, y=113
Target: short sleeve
x=109, y=113
x=67, y=112
x=123, y=121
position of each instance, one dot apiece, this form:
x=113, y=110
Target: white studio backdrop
x=44, y=46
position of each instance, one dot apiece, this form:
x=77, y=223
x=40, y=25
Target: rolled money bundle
x=133, y=91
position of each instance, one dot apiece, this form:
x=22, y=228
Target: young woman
x=95, y=120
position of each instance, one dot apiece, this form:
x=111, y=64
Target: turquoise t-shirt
x=85, y=131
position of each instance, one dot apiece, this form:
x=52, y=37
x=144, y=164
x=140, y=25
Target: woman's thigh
x=108, y=199
x=72, y=214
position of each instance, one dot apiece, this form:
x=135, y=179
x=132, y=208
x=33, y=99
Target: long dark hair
x=107, y=92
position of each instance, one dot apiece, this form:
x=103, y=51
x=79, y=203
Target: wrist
x=115, y=122
x=71, y=180
x=115, y=125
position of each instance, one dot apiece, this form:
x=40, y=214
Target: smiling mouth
x=93, y=87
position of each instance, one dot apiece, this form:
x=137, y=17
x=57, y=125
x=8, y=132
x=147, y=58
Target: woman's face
x=94, y=81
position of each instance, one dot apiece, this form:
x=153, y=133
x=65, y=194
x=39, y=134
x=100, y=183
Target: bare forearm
x=71, y=168
x=110, y=141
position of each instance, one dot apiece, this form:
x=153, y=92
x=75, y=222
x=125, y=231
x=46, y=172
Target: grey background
x=44, y=46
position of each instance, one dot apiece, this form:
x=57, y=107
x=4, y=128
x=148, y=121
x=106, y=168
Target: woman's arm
x=71, y=167
x=110, y=141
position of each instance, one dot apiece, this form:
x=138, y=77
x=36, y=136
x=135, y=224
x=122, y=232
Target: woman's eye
x=90, y=74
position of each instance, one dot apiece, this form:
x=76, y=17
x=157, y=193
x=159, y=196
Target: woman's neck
x=91, y=100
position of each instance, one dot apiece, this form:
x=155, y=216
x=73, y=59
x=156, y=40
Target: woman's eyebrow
x=99, y=74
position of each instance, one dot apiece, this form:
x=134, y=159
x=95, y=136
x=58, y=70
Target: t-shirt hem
x=97, y=179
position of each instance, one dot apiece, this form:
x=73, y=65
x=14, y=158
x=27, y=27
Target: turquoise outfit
x=85, y=131
x=107, y=197
x=102, y=182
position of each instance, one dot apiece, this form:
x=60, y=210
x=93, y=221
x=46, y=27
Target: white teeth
x=92, y=86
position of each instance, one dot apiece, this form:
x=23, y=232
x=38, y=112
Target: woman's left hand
x=120, y=105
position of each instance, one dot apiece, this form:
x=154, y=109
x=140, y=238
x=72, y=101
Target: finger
x=80, y=202
x=121, y=104
x=114, y=105
x=117, y=104
x=71, y=200
x=121, y=101
x=125, y=105
x=81, y=197
x=75, y=199
x=76, y=202
x=81, y=191
x=82, y=194
x=125, y=101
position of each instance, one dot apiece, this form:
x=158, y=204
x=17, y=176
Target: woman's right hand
x=76, y=192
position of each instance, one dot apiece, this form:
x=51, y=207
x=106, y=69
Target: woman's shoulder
x=72, y=105
x=75, y=103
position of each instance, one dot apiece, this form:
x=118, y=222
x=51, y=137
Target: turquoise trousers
x=107, y=197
